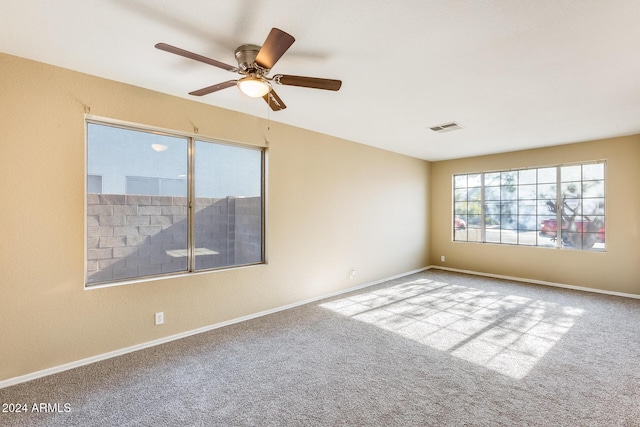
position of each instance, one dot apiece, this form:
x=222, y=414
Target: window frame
x=192, y=139
x=559, y=201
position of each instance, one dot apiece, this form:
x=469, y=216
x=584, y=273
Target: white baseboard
x=537, y=282
x=120, y=352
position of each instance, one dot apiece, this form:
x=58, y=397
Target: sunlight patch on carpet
x=509, y=334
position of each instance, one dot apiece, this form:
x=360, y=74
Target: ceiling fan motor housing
x=246, y=57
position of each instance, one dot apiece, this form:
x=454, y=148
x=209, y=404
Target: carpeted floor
x=430, y=349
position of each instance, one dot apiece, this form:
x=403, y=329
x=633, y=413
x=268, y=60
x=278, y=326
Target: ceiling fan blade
x=195, y=56
x=214, y=88
x=274, y=101
x=273, y=48
x=311, y=82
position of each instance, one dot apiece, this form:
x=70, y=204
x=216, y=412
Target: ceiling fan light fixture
x=254, y=87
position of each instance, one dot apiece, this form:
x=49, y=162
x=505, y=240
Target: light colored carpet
x=430, y=349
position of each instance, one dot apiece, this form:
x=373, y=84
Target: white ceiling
x=516, y=74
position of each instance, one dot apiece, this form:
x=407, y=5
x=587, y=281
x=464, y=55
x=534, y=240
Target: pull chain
x=266, y=138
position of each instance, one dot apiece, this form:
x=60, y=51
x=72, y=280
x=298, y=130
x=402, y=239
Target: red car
x=548, y=228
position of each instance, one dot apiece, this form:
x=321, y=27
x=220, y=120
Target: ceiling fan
x=254, y=64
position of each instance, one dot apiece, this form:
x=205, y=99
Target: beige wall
x=333, y=205
x=616, y=270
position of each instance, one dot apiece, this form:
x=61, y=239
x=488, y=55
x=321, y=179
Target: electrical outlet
x=442, y=258
x=159, y=318
x=352, y=275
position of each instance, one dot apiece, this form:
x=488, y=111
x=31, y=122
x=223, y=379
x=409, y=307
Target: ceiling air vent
x=446, y=127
